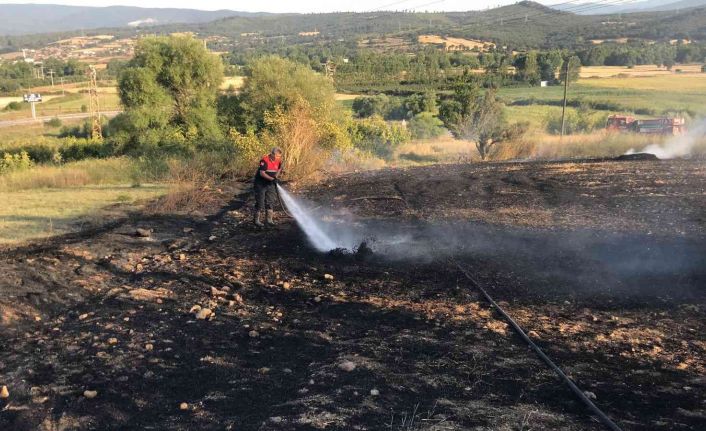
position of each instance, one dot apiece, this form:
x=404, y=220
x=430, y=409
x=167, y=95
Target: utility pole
x=51, y=74
x=563, y=108
x=96, y=132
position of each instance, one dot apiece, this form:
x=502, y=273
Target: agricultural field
x=455, y=43
x=651, y=95
x=639, y=70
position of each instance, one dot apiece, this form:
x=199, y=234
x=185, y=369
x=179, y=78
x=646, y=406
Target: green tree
x=418, y=103
x=527, y=68
x=549, y=62
x=425, y=126
x=478, y=116
x=371, y=105
x=276, y=82
x=169, y=91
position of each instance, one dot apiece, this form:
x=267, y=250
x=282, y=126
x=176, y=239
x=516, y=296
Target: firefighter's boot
x=270, y=217
x=258, y=219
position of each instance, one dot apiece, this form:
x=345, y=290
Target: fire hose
x=602, y=417
x=279, y=199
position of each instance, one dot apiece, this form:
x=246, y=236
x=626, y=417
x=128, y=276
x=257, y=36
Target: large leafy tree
x=274, y=82
x=169, y=91
x=287, y=104
x=527, y=68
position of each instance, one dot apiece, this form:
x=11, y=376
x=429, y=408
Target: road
x=23, y=121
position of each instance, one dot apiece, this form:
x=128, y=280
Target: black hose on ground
x=605, y=420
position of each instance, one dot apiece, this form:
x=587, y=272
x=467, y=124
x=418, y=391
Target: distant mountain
x=35, y=18
x=629, y=7
x=683, y=4
x=519, y=26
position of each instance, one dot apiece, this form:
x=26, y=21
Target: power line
x=388, y=5
x=598, y=4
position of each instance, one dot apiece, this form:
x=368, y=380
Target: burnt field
x=602, y=263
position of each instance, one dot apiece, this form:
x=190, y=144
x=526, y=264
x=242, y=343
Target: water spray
x=311, y=226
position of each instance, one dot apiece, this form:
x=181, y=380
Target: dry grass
x=642, y=70
x=454, y=42
x=345, y=96
x=535, y=145
x=191, y=189
x=441, y=150
x=679, y=82
x=354, y=160
x=86, y=172
x=232, y=82
x=598, y=144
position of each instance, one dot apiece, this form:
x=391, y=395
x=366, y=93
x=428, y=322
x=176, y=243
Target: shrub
x=581, y=121
x=54, y=122
x=365, y=107
x=15, y=162
x=81, y=131
x=38, y=153
x=84, y=108
x=79, y=149
x=426, y=126
x=13, y=106
x=377, y=136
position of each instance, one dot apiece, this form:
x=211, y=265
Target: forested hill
x=521, y=25
x=31, y=18
x=518, y=26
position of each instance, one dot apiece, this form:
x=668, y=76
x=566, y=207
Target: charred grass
x=428, y=352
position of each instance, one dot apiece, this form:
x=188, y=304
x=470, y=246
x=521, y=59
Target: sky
x=302, y=6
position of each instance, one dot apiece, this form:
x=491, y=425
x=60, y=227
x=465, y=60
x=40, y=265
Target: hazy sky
x=295, y=5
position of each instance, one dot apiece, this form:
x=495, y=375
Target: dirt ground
x=602, y=263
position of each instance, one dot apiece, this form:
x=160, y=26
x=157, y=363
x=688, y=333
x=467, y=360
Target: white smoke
x=142, y=22
x=327, y=231
x=320, y=235
x=678, y=147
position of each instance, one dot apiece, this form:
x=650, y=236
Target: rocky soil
x=202, y=322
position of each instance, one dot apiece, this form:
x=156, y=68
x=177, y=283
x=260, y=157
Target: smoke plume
x=684, y=146
x=586, y=262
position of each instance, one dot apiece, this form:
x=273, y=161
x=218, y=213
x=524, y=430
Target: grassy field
x=445, y=149
x=656, y=94
x=40, y=213
x=641, y=70
x=48, y=200
x=71, y=103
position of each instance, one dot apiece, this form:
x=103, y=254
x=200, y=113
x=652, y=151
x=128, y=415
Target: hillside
x=522, y=25
x=599, y=8
x=519, y=26
x=28, y=18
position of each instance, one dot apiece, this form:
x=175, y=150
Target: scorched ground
x=603, y=263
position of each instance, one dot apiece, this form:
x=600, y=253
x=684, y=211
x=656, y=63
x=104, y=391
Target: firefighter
x=266, y=186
